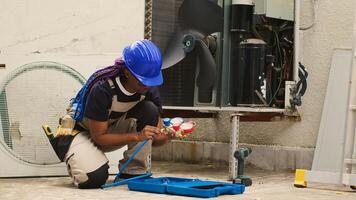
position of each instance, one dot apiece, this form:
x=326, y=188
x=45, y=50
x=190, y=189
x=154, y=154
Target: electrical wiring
x=279, y=42
x=280, y=62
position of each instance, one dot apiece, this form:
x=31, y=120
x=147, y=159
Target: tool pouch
x=67, y=129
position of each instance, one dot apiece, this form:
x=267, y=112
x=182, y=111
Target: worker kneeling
x=119, y=105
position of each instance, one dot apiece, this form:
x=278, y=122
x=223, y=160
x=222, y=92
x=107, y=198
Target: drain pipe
x=296, y=39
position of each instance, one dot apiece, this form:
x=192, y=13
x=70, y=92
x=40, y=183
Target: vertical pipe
x=225, y=70
x=233, y=146
x=148, y=19
x=237, y=140
x=296, y=39
x=148, y=35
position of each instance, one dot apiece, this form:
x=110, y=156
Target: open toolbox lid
x=185, y=187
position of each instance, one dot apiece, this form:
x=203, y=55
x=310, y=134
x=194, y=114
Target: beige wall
x=95, y=28
x=332, y=29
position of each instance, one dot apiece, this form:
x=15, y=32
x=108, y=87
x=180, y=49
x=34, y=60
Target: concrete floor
x=266, y=185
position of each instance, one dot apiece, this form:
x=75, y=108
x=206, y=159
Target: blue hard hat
x=144, y=60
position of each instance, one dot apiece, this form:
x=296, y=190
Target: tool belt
x=61, y=139
x=67, y=126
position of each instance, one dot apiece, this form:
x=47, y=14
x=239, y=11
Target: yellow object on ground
x=299, y=180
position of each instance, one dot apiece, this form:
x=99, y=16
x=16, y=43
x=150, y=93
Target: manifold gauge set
x=178, y=127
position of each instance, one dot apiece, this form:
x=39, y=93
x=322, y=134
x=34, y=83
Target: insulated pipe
x=240, y=29
x=241, y=16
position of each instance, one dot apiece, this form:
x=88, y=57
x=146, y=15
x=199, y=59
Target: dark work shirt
x=100, y=99
x=99, y=102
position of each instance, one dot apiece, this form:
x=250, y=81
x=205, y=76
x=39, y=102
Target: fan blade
x=207, y=66
x=174, y=51
x=202, y=15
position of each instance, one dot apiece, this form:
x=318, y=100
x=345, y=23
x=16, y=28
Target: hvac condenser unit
x=35, y=91
x=227, y=54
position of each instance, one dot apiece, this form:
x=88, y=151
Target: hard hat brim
x=150, y=82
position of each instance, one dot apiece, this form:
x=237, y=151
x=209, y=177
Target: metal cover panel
x=328, y=156
x=280, y=9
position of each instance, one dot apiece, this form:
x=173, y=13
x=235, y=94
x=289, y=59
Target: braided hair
x=79, y=101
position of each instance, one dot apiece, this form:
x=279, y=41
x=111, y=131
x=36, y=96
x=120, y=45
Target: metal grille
x=33, y=95
x=179, y=81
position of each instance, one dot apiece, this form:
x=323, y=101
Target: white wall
x=83, y=34
x=69, y=27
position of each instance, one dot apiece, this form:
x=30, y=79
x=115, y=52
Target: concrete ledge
x=274, y=158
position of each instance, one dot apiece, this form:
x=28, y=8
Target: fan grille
x=179, y=81
x=33, y=95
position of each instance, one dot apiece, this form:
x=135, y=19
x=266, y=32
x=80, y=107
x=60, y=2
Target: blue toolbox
x=185, y=187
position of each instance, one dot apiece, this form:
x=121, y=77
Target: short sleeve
x=154, y=96
x=98, y=102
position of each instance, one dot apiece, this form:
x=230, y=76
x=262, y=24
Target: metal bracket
x=234, y=140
